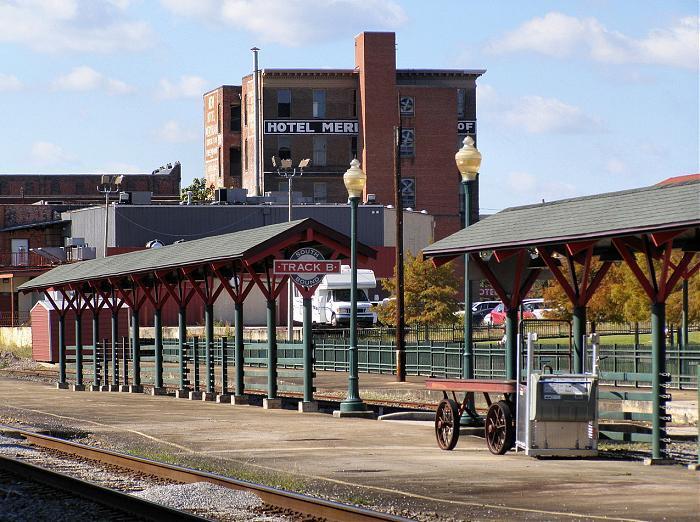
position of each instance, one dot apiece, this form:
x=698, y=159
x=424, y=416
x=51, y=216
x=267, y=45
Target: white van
x=331, y=301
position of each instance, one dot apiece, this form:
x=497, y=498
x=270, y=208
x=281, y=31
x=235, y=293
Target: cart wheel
x=447, y=424
x=499, y=429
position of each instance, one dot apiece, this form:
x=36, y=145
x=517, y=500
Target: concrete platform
x=371, y=461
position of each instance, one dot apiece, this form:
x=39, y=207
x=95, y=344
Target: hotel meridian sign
x=306, y=267
x=342, y=127
x=338, y=127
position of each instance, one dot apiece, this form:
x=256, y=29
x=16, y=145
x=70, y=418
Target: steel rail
x=117, y=500
x=305, y=504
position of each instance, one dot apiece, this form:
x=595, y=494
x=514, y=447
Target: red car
x=497, y=316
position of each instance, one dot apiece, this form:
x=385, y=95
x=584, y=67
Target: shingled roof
x=630, y=212
x=231, y=246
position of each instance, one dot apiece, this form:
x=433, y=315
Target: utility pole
x=108, y=185
x=256, y=123
x=398, y=204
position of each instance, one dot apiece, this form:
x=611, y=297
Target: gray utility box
x=558, y=415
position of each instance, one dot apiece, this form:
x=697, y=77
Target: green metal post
x=308, y=353
x=240, y=385
x=271, y=349
x=115, y=334
x=658, y=378
x=95, y=345
x=684, y=318
x=181, y=341
x=511, y=343
x=353, y=402
x=61, y=349
x=468, y=361
x=158, y=330
x=697, y=384
x=224, y=366
x=209, y=340
x=135, y=347
x=579, y=331
x=78, y=349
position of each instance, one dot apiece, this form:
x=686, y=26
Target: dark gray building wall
x=135, y=225
x=89, y=223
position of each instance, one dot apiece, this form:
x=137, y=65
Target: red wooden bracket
x=519, y=266
x=632, y=263
x=579, y=246
x=489, y=275
x=557, y=273
x=502, y=255
x=595, y=283
x=692, y=271
x=61, y=311
x=195, y=286
x=659, y=238
x=677, y=273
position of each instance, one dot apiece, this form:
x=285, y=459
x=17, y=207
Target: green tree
x=430, y=294
x=200, y=191
x=620, y=297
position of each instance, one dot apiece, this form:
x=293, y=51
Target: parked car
x=479, y=310
x=497, y=316
x=536, y=306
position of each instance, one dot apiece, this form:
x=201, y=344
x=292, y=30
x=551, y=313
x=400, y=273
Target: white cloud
x=536, y=114
x=562, y=36
x=540, y=115
x=185, y=87
x=295, y=22
x=173, y=132
x=72, y=25
x=9, y=82
x=86, y=78
x=47, y=154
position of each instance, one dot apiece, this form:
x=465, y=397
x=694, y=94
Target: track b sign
x=306, y=267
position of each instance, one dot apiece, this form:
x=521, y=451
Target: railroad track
x=27, y=480
x=310, y=508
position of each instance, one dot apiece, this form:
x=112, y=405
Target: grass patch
x=238, y=471
x=23, y=352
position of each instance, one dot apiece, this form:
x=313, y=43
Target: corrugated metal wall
x=136, y=225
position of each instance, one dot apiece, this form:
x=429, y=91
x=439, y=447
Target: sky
x=579, y=97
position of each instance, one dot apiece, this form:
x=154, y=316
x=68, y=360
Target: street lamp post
x=108, y=185
x=283, y=171
x=468, y=160
x=355, y=180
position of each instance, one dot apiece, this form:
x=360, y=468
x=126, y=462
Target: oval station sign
x=306, y=267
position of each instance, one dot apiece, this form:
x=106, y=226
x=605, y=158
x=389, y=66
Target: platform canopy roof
x=247, y=245
x=601, y=217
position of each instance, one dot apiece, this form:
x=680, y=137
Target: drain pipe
x=256, y=123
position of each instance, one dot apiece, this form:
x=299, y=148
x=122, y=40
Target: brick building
x=222, y=136
x=333, y=115
x=30, y=219
x=81, y=189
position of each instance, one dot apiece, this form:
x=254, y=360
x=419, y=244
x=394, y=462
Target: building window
x=461, y=101
x=283, y=186
x=408, y=192
x=319, y=103
x=406, y=106
x=219, y=116
x=235, y=118
x=353, y=112
x=284, y=103
x=245, y=110
x=320, y=147
x=408, y=143
x=284, y=147
x=320, y=192
x=353, y=148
